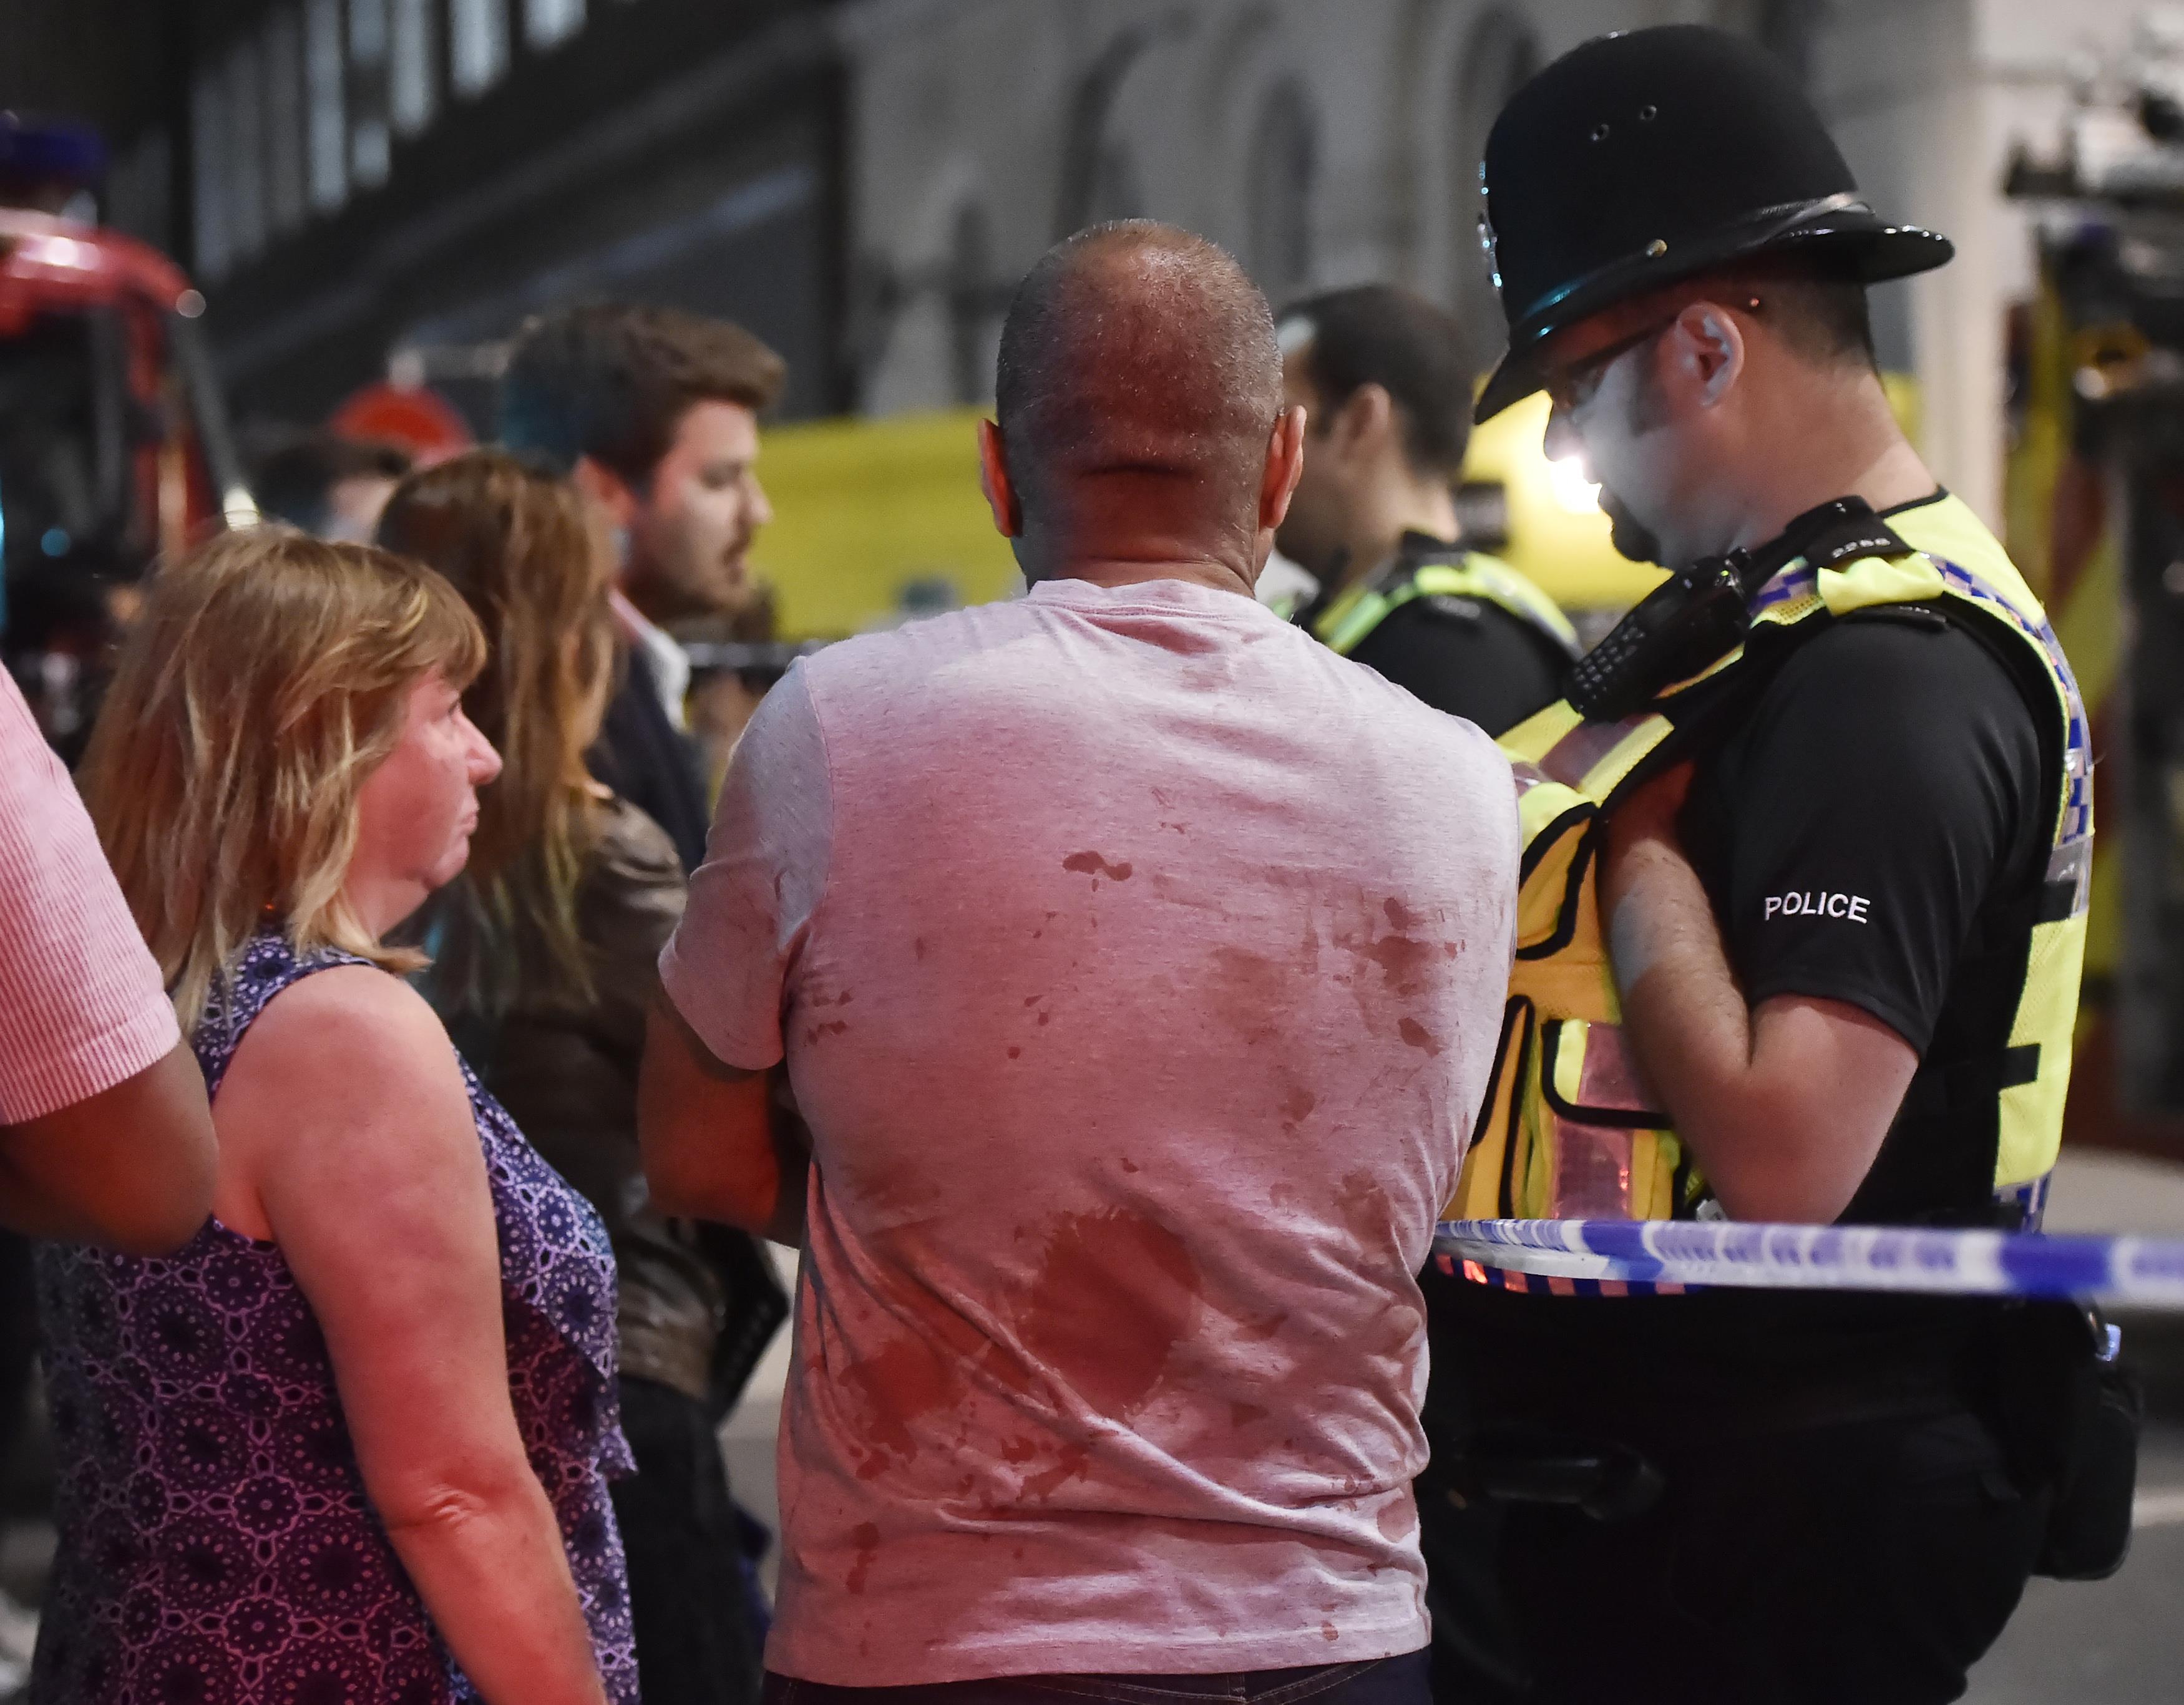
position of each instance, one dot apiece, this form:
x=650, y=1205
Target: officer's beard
x=1630, y=537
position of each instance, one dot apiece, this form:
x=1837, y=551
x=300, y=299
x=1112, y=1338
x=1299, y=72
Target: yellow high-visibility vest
x=1565, y=1133
x=1346, y=622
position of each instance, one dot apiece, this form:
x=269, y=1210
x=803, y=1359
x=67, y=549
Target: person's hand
x=1644, y=823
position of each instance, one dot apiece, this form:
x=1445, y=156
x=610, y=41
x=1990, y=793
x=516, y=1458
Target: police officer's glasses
x=1571, y=388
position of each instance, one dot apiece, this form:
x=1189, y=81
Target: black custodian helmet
x=1642, y=158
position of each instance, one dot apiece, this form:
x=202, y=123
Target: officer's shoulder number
x=1450, y=607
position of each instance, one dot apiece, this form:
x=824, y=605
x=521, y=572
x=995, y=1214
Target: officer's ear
x=1366, y=418
x=1707, y=350
x=994, y=481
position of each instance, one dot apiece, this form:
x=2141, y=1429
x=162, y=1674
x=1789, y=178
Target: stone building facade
x=1328, y=141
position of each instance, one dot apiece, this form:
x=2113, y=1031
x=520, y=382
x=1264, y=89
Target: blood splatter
x=1094, y=863
x=899, y=1386
x=865, y=1536
x=1248, y=990
x=1115, y=1293
x=1417, y=1036
x=1396, y=1519
x=1072, y=1462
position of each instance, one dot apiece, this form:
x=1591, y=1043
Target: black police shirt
x=1471, y=658
x=1882, y=794
x=1463, y=656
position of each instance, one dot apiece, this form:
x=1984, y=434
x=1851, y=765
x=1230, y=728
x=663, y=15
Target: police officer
x=1382, y=375
x=1799, y=933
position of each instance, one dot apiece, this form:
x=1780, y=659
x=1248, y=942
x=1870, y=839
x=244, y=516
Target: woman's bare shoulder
x=350, y=1033
x=345, y=1084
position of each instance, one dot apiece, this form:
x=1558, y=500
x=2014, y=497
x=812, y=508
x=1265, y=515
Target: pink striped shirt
x=81, y=1005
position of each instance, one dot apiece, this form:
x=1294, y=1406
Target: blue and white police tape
x=1591, y=1257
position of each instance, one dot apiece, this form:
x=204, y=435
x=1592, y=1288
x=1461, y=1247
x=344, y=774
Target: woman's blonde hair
x=516, y=541
x=266, y=677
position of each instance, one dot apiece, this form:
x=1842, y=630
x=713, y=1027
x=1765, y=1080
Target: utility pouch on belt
x=1608, y=1482
x=2071, y=1412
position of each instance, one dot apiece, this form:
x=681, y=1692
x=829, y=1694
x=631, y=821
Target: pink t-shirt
x=81, y=1007
x=1138, y=964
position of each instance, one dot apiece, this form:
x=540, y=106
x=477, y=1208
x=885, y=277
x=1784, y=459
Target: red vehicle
x=112, y=445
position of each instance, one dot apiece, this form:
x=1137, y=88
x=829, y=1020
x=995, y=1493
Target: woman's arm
x=347, y=1124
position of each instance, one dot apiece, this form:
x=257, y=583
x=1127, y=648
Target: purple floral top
x=216, y=1541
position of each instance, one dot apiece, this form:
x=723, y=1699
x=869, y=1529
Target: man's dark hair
x=293, y=477
x=1380, y=334
x=1821, y=315
x=1826, y=321
x=613, y=381
x=1136, y=348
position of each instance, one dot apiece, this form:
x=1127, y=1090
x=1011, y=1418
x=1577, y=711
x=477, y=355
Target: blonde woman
x=352, y=1442
x=545, y=954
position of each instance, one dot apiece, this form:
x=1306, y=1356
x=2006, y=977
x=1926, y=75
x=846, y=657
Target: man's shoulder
x=1399, y=719
x=890, y=660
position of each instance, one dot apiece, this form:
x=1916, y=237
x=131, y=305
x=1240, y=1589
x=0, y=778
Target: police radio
x=1704, y=611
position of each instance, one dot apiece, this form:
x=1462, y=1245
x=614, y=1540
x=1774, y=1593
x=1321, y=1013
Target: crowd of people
x=406, y=1044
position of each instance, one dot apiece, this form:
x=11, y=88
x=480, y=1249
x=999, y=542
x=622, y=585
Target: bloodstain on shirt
x=865, y=1536
x=1417, y=1036
x=901, y=1384
x=1096, y=865
x=1115, y=1293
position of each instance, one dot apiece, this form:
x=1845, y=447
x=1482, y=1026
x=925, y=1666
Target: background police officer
x=1387, y=392
x=1850, y=1509
x=1382, y=375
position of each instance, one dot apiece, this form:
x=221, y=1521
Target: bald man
x=1135, y=1072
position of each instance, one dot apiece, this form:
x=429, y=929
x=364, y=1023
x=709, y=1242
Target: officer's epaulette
x=1850, y=538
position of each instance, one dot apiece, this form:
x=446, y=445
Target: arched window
x=1285, y=170
x=1501, y=55
x=1099, y=180
x=1789, y=28
x=974, y=307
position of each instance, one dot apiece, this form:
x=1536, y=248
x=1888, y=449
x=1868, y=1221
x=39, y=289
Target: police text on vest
x=1851, y=906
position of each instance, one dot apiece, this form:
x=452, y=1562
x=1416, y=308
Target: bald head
x=1139, y=370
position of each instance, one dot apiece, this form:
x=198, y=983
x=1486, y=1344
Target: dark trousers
x=1873, y=1562
x=1382, y=1682
x=1476, y=1660
x=688, y=1596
